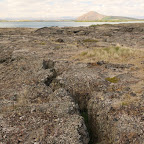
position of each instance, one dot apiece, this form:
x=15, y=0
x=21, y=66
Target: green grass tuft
x=84, y=53
x=112, y=80
x=43, y=43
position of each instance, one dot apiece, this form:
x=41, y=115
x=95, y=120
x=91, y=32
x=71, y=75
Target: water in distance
x=54, y=24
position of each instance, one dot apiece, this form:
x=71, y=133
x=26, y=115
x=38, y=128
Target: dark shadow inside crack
x=84, y=114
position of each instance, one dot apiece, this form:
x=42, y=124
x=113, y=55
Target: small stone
x=60, y=40
x=101, y=63
x=33, y=110
x=142, y=118
x=127, y=89
x=132, y=94
x=47, y=64
x=14, y=98
x=115, y=119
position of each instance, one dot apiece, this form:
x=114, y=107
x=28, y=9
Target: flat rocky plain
x=72, y=85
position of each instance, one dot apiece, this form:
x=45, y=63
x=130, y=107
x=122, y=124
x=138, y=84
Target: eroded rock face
x=57, y=121
x=30, y=111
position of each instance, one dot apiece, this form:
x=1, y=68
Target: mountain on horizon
x=91, y=16
x=94, y=16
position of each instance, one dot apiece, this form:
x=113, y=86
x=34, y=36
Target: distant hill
x=94, y=16
x=91, y=16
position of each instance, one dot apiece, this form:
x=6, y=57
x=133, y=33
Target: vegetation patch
x=90, y=40
x=110, y=54
x=84, y=53
x=112, y=80
x=99, y=25
x=43, y=43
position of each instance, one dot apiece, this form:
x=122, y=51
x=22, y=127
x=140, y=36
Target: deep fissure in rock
x=84, y=114
x=55, y=84
x=82, y=103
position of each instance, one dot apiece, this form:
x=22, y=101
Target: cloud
x=74, y=8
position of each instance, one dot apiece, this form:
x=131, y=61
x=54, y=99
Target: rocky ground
x=55, y=88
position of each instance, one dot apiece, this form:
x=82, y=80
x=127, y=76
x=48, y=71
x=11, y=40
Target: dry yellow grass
x=90, y=40
x=111, y=54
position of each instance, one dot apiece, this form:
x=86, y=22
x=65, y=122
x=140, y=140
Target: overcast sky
x=61, y=8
